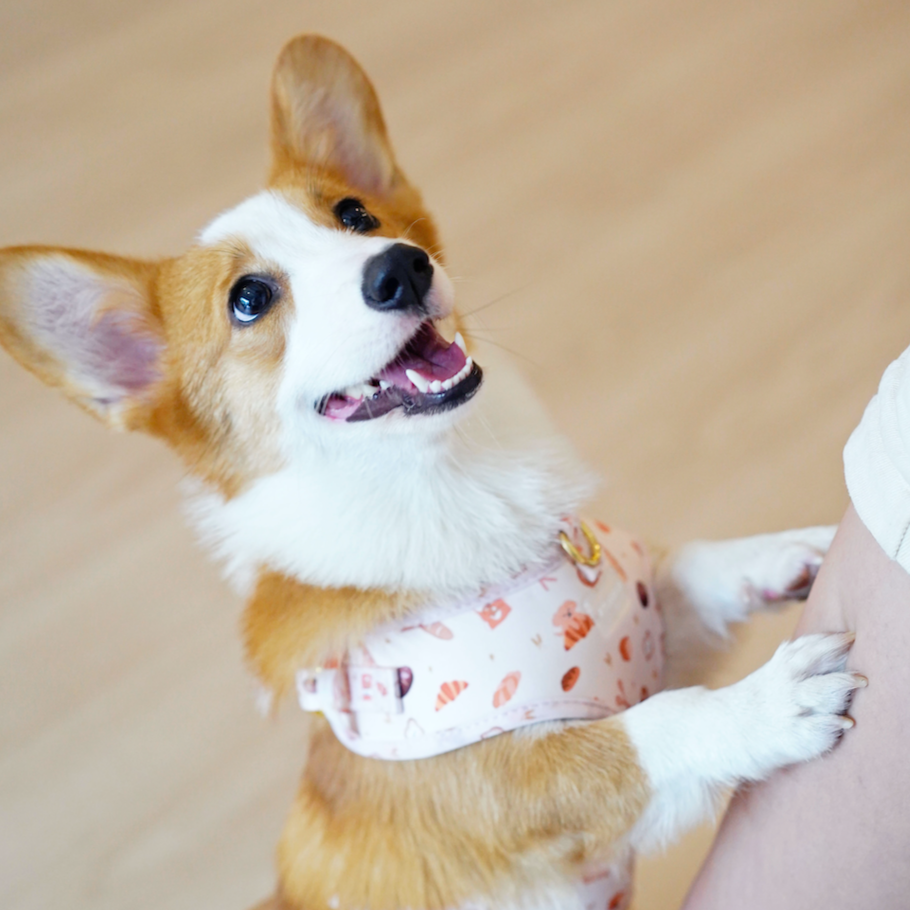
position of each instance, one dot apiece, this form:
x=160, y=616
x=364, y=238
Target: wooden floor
x=693, y=218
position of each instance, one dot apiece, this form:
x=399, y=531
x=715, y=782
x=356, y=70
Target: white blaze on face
x=335, y=340
x=398, y=502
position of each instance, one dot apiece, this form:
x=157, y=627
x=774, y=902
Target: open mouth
x=429, y=375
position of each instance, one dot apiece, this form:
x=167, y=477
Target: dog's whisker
x=407, y=231
x=486, y=340
x=496, y=300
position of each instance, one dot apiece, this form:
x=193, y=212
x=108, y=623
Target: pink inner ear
x=130, y=352
x=95, y=327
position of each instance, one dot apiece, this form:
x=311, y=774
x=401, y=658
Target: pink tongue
x=338, y=408
x=429, y=354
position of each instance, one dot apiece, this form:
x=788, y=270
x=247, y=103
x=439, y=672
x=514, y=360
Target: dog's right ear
x=87, y=324
x=325, y=114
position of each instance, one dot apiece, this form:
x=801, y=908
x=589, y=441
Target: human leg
x=834, y=833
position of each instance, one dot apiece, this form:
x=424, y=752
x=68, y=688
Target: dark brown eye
x=352, y=214
x=250, y=298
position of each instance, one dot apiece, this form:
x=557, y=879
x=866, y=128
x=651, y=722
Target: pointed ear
x=85, y=323
x=325, y=114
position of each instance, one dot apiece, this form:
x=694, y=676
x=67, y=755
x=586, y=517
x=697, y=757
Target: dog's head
x=317, y=309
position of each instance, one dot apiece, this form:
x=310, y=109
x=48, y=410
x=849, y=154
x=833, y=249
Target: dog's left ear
x=325, y=114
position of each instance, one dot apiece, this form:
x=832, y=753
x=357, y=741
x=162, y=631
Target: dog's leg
x=707, y=585
x=693, y=743
x=724, y=581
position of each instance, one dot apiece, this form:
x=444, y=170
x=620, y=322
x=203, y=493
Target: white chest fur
x=445, y=513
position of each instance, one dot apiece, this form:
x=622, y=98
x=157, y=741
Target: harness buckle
x=350, y=688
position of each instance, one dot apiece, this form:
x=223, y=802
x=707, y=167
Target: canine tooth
x=435, y=386
x=422, y=384
x=460, y=342
x=384, y=385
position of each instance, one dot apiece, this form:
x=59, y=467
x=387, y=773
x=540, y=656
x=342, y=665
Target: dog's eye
x=250, y=298
x=352, y=214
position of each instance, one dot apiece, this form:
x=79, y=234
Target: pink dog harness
x=579, y=637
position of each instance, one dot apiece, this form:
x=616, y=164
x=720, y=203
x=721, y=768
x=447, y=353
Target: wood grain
x=689, y=220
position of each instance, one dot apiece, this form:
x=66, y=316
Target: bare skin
x=834, y=833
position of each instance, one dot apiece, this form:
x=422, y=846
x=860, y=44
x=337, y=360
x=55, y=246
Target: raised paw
x=783, y=566
x=693, y=742
x=801, y=697
x=726, y=580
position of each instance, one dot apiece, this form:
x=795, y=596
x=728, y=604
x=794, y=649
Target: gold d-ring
x=575, y=554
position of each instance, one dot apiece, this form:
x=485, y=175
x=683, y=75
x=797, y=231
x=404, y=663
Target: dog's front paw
x=783, y=566
x=694, y=742
x=799, y=700
x=724, y=581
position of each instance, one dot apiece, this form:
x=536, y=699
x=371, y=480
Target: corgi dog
x=486, y=667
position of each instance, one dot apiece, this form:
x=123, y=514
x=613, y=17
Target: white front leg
x=693, y=743
x=723, y=581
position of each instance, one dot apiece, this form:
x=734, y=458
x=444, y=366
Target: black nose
x=398, y=278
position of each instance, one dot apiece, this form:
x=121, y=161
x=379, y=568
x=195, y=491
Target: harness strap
x=578, y=637
x=349, y=688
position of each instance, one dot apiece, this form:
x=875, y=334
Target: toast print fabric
x=553, y=644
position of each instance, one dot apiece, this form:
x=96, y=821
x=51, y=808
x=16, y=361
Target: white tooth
x=459, y=376
x=460, y=342
x=361, y=390
x=418, y=380
x=435, y=386
x=384, y=385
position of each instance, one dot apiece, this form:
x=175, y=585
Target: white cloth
x=877, y=463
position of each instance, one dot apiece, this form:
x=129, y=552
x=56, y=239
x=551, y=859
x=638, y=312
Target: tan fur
x=512, y=811
x=517, y=809
x=430, y=833
x=205, y=412
x=288, y=625
x=311, y=141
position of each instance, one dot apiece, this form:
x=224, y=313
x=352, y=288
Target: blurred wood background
x=694, y=218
